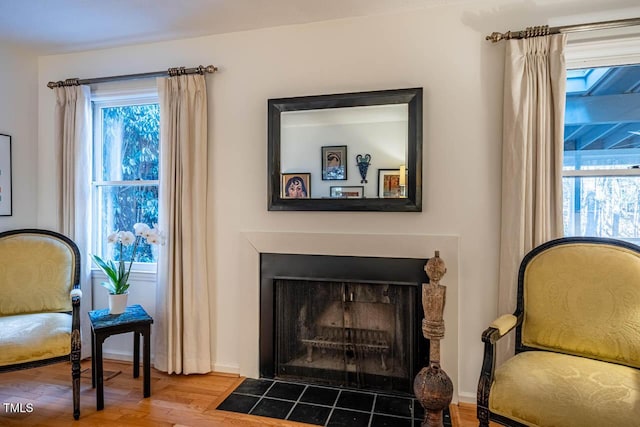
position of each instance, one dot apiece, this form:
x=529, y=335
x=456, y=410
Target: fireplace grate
x=350, y=340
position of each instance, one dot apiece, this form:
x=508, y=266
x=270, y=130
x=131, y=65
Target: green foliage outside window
x=130, y=152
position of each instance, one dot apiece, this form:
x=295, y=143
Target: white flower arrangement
x=118, y=273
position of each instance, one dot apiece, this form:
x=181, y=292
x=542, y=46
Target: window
x=125, y=170
x=601, y=171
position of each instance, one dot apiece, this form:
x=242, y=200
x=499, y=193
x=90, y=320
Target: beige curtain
x=73, y=162
x=182, y=327
x=533, y=134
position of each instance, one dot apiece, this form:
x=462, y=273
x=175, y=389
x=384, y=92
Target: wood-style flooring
x=176, y=400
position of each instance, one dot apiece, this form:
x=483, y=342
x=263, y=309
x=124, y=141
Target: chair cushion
x=30, y=337
x=568, y=391
x=36, y=274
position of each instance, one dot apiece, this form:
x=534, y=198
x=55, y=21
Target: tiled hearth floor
x=323, y=405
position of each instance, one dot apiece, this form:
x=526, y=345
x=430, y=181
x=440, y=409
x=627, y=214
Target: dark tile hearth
x=356, y=400
x=287, y=391
x=320, y=395
x=324, y=406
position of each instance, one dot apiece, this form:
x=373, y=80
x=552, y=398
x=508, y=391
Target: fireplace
x=342, y=320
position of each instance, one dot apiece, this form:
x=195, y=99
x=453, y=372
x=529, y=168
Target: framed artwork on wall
x=296, y=185
x=334, y=162
x=352, y=192
x=5, y=176
x=389, y=183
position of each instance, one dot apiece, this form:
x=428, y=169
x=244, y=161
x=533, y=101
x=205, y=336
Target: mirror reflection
x=324, y=153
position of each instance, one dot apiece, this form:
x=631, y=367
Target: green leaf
x=108, y=268
x=109, y=286
x=117, y=275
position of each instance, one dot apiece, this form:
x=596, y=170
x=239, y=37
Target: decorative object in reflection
x=5, y=175
x=334, y=162
x=403, y=181
x=432, y=386
x=389, y=183
x=353, y=192
x=296, y=185
x=363, y=166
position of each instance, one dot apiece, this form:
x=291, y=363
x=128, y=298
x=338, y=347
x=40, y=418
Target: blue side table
x=103, y=325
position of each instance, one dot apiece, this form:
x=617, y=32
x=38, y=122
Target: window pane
x=122, y=207
x=130, y=136
x=601, y=159
x=602, y=206
x=602, y=137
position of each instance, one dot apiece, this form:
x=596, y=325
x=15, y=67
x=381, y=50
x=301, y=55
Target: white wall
x=18, y=118
x=440, y=49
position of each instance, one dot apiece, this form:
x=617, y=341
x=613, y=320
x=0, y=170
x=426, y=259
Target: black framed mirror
x=358, y=151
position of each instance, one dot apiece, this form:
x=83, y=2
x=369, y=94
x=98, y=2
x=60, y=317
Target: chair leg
x=483, y=417
x=76, y=395
x=75, y=372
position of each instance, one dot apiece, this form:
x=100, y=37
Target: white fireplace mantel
x=342, y=244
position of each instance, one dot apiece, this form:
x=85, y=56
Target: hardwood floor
x=176, y=400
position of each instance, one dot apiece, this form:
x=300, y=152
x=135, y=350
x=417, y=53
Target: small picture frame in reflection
x=5, y=176
x=389, y=183
x=334, y=162
x=296, y=185
x=353, y=192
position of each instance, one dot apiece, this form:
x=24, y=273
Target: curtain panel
x=73, y=124
x=533, y=141
x=183, y=337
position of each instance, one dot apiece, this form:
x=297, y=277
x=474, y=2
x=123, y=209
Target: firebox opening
x=356, y=333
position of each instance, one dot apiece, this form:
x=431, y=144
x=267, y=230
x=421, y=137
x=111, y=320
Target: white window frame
x=604, y=49
x=101, y=98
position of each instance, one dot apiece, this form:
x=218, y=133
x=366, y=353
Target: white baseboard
x=466, y=397
x=124, y=357
x=226, y=369
x=128, y=357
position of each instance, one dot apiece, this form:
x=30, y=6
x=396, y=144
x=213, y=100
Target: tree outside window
x=126, y=162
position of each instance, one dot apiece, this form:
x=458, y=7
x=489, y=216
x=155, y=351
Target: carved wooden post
x=432, y=386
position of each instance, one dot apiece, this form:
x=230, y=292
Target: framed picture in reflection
x=352, y=192
x=5, y=176
x=334, y=162
x=296, y=185
x=389, y=183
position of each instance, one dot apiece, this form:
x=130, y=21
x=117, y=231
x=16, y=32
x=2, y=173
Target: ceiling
x=59, y=26
x=606, y=113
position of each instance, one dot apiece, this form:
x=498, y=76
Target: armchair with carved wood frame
x=40, y=303
x=577, y=339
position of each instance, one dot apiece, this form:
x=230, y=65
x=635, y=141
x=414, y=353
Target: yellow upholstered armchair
x=577, y=340
x=40, y=303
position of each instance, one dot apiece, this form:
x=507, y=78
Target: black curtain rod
x=545, y=30
x=171, y=72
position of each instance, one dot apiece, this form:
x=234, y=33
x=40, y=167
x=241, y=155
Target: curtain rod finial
x=495, y=37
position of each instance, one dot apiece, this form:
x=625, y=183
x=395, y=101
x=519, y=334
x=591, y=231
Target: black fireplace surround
x=299, y=295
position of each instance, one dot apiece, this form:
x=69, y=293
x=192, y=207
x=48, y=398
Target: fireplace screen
x=349, y=334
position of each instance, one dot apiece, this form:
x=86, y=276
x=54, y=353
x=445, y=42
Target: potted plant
x=118, y=271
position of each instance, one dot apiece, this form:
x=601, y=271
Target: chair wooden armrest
x=498, y=329
x=504, y=324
